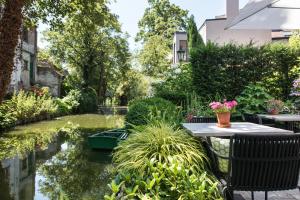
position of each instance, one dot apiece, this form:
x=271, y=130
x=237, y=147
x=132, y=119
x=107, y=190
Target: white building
x=214, y=29
x=25, y=62
x=180, y=44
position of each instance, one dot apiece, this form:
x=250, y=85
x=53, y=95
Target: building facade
x=24, y=74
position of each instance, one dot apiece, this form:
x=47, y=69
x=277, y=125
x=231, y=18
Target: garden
x=45, y=140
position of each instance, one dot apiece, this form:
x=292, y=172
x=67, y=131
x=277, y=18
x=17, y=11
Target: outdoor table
x=288, y=119
x=212, y=130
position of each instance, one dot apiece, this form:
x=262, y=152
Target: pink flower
x=215, y=105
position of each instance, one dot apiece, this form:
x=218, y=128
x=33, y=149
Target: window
x=183, y=44
x=25, y=66
x=24, y=164
x=25, y=34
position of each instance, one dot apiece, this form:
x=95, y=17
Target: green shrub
x=253, y=99
x=69, y=103
x=230, y=68
x=88, y=102
x=158, y=162
x=172, y=180
x=176, y=86
x=7, y=119
x=144, y=110
x=158, y=141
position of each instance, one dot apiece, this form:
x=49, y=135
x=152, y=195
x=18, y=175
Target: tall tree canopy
x=194, y=38
x=161, y=18
x=14, y=12
x=91, y=43
x=156, y=31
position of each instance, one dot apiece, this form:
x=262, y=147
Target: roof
x=215, y=19
x=49, y=65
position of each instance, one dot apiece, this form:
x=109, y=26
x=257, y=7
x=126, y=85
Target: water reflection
x=67, y=169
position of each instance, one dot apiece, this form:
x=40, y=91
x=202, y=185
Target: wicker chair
x=263, y=163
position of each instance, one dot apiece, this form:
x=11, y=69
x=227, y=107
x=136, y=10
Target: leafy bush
x=171, y=180
x=229, y=69
x=142, y=111
x=158, y=162
x=253, y=99
x=176, y=86
x=197, y=106
x=69, y=103
x=7, y=119
x=158, y=141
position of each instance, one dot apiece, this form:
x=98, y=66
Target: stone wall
x=48, y=77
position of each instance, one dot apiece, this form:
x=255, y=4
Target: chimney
x=232, y=9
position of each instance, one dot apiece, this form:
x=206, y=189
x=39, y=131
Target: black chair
x=203, y=120
x=263, y=163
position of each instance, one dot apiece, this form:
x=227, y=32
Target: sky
x=131, y=11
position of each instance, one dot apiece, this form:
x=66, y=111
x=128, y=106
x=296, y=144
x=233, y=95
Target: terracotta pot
x=274, y=112
x=223, y=120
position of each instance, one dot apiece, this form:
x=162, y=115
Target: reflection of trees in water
x=4, y=185
x=69, y=175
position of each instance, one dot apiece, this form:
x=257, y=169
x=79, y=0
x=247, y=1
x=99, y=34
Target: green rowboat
x=107, y=140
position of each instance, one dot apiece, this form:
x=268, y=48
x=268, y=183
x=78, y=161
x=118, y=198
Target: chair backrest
x=264, y=162
x=203, y=120
x=251, y=118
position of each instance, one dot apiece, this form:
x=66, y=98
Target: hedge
x=230, y=68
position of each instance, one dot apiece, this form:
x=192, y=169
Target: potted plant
x=274, y=107
x=223, y=111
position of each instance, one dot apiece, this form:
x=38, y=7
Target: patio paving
x=280, y=195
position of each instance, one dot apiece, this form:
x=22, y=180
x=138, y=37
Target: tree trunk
x=102, y=85
x=10, y=28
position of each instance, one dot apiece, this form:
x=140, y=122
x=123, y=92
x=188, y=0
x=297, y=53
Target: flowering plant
x=274, y=106
x=226, y=106
x=296, y=88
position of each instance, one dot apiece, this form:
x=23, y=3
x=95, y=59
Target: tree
x=161, y=18
x=135, y=86
x=154, y=56
x=14, y=12
x=10, y=25
x=194, y=38
x=91, y=43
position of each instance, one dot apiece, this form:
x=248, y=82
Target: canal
x=51, y=160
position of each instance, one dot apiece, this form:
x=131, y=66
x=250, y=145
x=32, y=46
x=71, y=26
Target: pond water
x=64, y=168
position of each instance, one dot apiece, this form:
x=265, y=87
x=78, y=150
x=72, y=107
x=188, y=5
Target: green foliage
x=91, y=44
x=160, y=162
x=69, y=103
x=194, y=38
x=78, y=101
x=165, y=180
x=197, y=106
x=135, y=86
x=154, y=56
x=7, y=119
x=285, y=67
x=143, y=111
x=158, y=141
x=161, y=18
x=228, y=69
x=176, y=86
x=27, y=106
x=294, y=40
x=88, y=102
x=253, y=99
